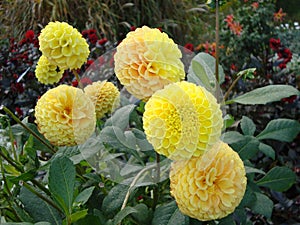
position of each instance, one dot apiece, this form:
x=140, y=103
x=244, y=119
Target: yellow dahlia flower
x=182, y=120
x=65, y=116
x=211, y=186
x=46, y=72
x=104, y=95
x=63, y=45
x=147, y=60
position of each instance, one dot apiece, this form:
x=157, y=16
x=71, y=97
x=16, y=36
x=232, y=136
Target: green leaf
x=38, y=209
x=228, y=121
x=29, y=175
x=247, y=126
x=263, y=205
x=120, y=118
x=25, y=223
x=231, y=137
x=142, y=214
x=278, y=179
x=281, y=130
x=78, y=215
x=263, y=95
x=61, y=182
x=169, y=214
x=253, y=170
x=228, y=220
x=202, y=71
x=246, y=148
x=114, y=200
x=84, y=196
x=267, y=150
x=122, y=214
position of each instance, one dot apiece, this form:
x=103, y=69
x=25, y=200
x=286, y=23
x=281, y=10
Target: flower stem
x=231, y=87
x=27, y=128
x=78, y=79
x=156, y=188
x=217, y=41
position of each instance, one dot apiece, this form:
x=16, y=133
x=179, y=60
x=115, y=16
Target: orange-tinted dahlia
x=65, y=116
x=104, y=95
x=63, y=45
x=211, y=186
x=46, y=72
x=146, y=61
x=182, y=120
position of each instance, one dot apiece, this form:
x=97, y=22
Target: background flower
x=63, y=45
x=147, y=60
x=182, y=120
x=65, y=116
x=46, y=72
x=104, y=95
x=211, y=186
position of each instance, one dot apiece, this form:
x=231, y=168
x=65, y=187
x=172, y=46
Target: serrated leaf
x=61, y=182
x=278, y=179
x=38, y=209
x=263, y=205
x=267, y=150
x=114, y=200
x=264, y=95
x=169, y=214
x=281, y=130
x=247, y=126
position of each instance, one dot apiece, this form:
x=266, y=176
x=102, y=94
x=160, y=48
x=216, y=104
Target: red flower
x=255, y=5
x=102, y=41
x=29, y=35
x=233, y=67
x=229, y=19
x=189, y=46
x=279, y=15
x=290, y=99
x=17, y=87
x=93, y=38
x=19, y=111
x=132, y=28
x=274, y=43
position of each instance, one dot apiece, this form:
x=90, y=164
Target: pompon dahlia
x=146, y=61
x=211, y=186
x=182, y=120
x=65, y=116
x=104, y=95
x=63, y=45
x=46, y=72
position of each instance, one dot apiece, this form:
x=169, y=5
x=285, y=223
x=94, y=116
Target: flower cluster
x=146, y=61
x=284, y=54
x=210, y=186
x=234, y=26
x=182, y=120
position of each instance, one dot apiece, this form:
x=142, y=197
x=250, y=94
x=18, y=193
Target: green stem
x=156, y=188
x=231, y=87
x=32, y=190
x=78, y=79
x=27, y=128
x=12, y=139
x=11, y=162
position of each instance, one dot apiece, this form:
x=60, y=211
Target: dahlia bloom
x=211, y=186
x=46, y=72
x=182, y=120
x=63, y=45
x=65, y=116
x=146, y=61
x=104, y=95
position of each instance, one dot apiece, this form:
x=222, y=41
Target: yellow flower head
x=104, y=95
x=63, y=45
x=46, y=72
x=147, y=60
x=211, y=186
x=182, y=120
x=65, y=116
